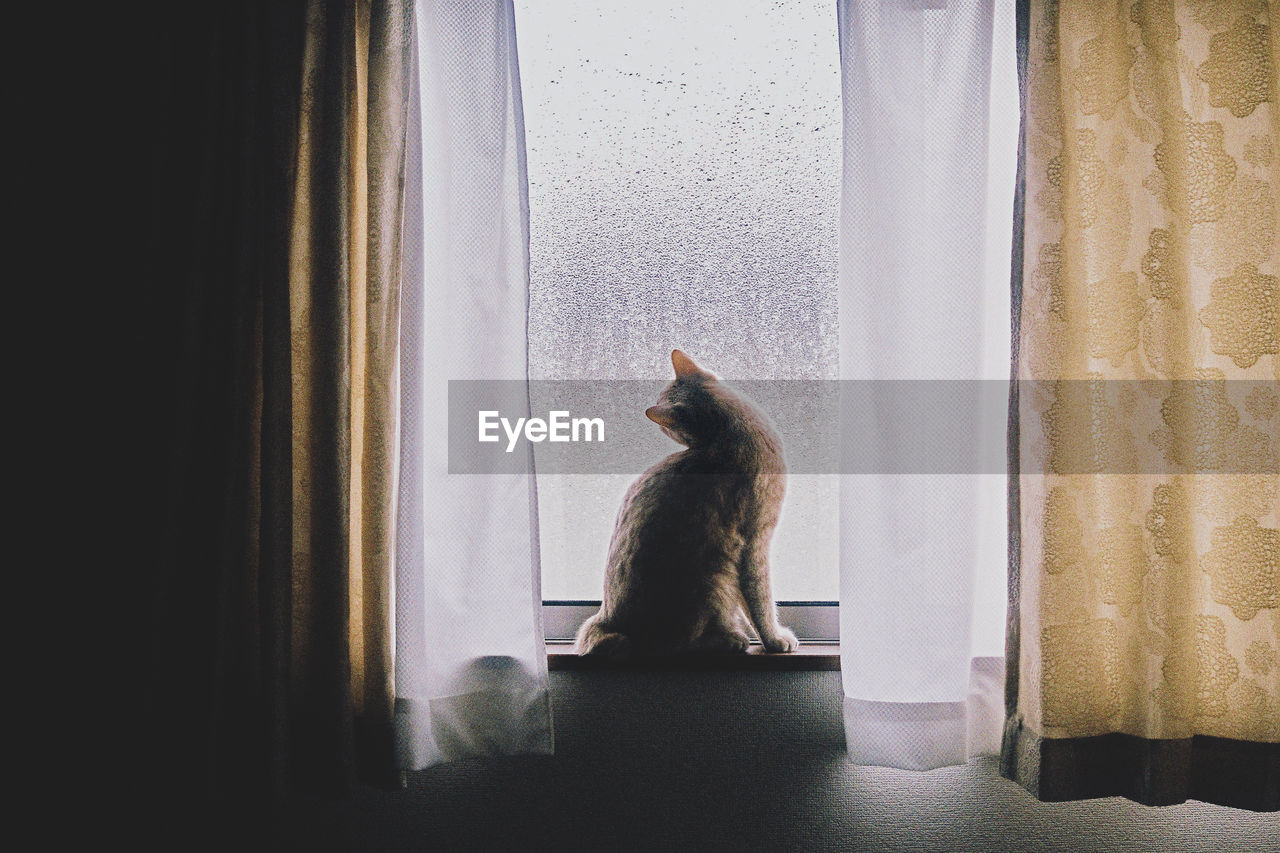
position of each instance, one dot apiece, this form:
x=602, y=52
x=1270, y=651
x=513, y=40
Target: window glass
x=684, y=178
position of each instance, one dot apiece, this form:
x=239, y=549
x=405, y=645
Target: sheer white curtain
x=922, y=296
x=470, y=662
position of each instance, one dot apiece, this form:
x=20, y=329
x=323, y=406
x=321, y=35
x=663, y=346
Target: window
x=684, y=172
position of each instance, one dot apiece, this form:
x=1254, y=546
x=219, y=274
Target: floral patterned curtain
x=1144, y=638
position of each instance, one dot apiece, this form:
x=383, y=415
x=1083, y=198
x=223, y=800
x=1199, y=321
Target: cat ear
x=663, y=416
x=684, y=365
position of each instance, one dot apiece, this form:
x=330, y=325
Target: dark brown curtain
x=278, y=197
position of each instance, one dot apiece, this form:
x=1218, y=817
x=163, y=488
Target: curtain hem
x=1155, y=772
x=375, y=749
x=493, y=721
x=905, y=735
x=929, y=735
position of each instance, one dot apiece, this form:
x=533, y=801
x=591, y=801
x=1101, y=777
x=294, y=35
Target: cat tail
x=594, y=638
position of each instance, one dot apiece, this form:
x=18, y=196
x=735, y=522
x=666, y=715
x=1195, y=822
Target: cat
x=688, y=565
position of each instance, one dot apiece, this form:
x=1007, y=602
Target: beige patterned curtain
x=1144, y=635
x=344, y=301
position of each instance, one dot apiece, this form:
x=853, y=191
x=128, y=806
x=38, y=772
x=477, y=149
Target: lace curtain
x=1146, y=644
x=471, y=669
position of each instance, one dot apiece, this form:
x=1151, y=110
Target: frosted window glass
x=684, y=177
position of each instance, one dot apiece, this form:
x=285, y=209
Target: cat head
x=686, y=409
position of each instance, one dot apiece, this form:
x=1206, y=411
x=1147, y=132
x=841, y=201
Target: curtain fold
x=471, y=671
x=376, y=380
x=1144, y=639
x=271, y=608
x=914, y=304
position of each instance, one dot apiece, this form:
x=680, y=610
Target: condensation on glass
x=684, y=177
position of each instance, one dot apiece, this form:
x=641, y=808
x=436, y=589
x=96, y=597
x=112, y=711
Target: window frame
x=814, y=622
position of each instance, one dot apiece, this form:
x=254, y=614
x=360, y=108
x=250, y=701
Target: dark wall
x=184, y=119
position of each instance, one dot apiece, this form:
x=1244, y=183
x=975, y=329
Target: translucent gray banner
x=886, y=426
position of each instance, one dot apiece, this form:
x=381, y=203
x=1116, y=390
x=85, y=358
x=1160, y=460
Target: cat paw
x=607, y=644
x=781, y=640
x=733, y=642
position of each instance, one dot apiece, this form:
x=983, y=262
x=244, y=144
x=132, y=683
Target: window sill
x=810, y=657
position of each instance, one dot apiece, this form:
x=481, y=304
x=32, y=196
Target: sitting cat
x=688, y=566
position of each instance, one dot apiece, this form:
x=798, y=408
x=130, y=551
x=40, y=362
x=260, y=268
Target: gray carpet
x=750, y=761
